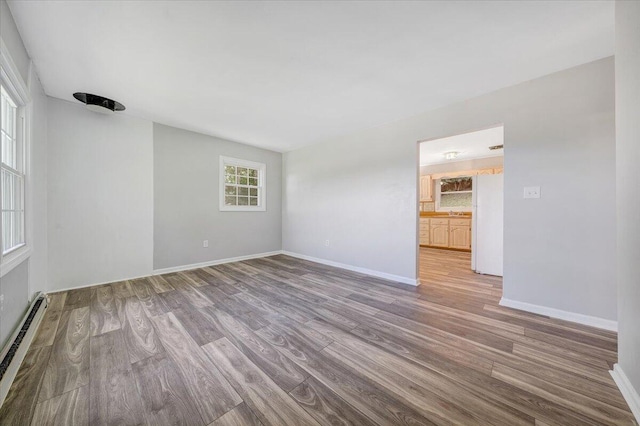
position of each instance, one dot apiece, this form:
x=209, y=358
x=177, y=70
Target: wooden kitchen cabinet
x=460, y=234
x=453, y=233
x=439, y=232
x=426, y=188
x=424, y=231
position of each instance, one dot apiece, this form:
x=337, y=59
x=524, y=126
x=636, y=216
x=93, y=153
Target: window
x=12, y=174
x=454, y=194
x=242, y=185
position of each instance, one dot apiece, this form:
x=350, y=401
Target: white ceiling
x=284, y=74
x=468, y=145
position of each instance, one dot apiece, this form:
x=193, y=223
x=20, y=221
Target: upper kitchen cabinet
x=426, y=188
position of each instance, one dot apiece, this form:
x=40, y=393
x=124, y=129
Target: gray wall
x=19, y=284
x=100, y=213
x=359, y=191
x=628, y=186
x=15, y=290
x=186, y=188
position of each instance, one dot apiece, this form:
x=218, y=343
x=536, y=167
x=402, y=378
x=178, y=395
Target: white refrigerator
x=487, y=224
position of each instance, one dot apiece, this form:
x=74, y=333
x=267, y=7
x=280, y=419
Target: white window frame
x=262, y=184
x=15, y=86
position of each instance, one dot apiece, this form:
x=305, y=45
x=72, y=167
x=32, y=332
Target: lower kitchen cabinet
x=424, y=231
x=460, y=235
x=454, y=233
x=439, y=232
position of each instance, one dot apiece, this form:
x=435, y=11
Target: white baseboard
x=115, y=280
x=213, y=262
x=378, y=274
x=560, y=314
x=174, y=269
x=628, y=392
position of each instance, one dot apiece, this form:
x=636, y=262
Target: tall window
x=12, y=175
x=242, y=185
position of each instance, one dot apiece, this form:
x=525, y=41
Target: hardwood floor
x=281, y=341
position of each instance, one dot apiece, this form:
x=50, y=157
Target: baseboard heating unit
x=15, y=350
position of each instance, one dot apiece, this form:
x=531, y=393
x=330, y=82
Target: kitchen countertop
x=444, y=215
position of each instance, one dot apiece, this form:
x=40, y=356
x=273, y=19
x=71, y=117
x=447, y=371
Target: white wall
x=19, y=284
x=100, y=213
x=359, y=191
x=37, y=205
x=628, y=187
x=13, y=41
x=186, y=204
x=456, y=166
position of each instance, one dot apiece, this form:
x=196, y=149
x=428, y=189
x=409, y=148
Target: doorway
x=461, y=193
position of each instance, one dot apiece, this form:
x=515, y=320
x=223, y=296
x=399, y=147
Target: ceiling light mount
x=451, y=155
x=98, y=103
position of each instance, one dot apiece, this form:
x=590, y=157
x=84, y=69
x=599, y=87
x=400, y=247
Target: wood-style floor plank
x=239, y=416
x=47, y=330
x=355, y=388
x=165, y=398
x=496, y=413
x=209, y=390
x=152, y=304
x=78, y=298
x=68, y=366
x=113, y=395
x=278, y=367
x=199, y=326
x=68, y=409
x=122, y=289
x=327, y=407
x=21, y=401
x=280, y=340
x=104, y=310
x=160, y=285
x=267, y=400
x=140, y=337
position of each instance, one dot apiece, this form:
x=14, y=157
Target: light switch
x=531, y=192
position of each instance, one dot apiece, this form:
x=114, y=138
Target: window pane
x=8, y=131
x=242, y=171
x=230, y=200
x=253, y=192
x=230, y=190
x=242, y=180
x=253, y=173
x=253, y=181
x=230, y=170
x=253, y=201
x=243, y=201
x=243, y=191
x=12, y=210
x=230, y=179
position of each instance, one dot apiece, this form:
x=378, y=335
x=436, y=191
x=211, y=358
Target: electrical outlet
x=1, y=302
x=531, y=192
x=326, y=243
x=205, y=243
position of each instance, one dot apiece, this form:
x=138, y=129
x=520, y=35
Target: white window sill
x=242, y=209
x=13, y=259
